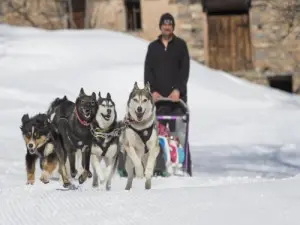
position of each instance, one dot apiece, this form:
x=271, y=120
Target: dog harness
x=104, y=145
x=144, y=134
x=101, y=140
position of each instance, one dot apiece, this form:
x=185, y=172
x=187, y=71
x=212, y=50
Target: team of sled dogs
x=90, y=125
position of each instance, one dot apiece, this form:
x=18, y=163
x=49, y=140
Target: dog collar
x=80, y=120
x=99, y=130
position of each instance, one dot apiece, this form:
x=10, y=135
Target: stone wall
x=35, y=13
x=190, y=26
x=274, y=37
x=276, y=40
x=107, y=14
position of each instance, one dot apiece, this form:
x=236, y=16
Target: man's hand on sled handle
x=174, y=96
x=155, y=96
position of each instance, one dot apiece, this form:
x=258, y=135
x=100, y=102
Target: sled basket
x=179, y=118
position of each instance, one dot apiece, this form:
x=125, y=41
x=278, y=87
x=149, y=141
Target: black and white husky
x=140, y=138
x=105, y=143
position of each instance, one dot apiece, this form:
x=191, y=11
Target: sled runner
x=173, y=130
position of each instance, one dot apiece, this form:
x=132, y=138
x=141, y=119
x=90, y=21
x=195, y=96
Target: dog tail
x=55, y=104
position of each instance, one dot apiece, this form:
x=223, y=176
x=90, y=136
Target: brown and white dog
x=36, y=132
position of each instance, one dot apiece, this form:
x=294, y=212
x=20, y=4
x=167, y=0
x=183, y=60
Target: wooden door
x=78, y=19
x=228, y=44
x=77, y=9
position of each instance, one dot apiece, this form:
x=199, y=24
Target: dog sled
x=173, y=130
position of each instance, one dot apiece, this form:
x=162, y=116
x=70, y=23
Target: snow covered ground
x=244, y=138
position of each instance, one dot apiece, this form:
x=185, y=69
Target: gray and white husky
x=140, y=138
x=105, y=145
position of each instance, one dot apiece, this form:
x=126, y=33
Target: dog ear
x=94, y=96
x=81, y=93
x=147, y=86
x=136, y=86
x=41, y=118
x=99, y=94
x=108, y=96
x=25, y=118
x=46, y=122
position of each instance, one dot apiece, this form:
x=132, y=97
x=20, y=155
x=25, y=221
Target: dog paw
x=73, y=174
x=90, y=175
x=83, y=177
x=108, y=186
x=148, y=184
x=31, y=182
x=45, y=181
x=67, y=184
x=95, y=184
x=45, y=177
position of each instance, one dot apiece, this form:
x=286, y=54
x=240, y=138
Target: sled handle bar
x=173, y=117
x=163, y=99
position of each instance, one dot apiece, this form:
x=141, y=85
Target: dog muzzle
x=106, y=117
x=32, y=149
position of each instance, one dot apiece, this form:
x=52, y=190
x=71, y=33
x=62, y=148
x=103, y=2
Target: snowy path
x=216, y=193
x=256, y=204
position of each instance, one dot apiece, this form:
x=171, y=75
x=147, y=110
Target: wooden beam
x=226, y=6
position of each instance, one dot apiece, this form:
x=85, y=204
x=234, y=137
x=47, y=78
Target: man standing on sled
x=167, y=66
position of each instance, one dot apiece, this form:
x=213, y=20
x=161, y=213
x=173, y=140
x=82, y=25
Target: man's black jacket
x=167, y=68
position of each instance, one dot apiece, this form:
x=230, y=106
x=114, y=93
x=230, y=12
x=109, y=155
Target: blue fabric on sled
x=180, y=152
x=162, y=143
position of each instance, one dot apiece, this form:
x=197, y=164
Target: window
x=76, y=8
x=133, y=15
x=78, y=5
x=282, y=82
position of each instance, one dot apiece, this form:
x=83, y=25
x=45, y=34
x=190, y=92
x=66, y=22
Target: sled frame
x=187, y=165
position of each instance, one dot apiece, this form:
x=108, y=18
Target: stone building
x=274, y=27
x=36, y=13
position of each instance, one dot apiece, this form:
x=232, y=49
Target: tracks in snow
x=213, y=167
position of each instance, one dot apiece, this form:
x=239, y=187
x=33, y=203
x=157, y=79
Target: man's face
x=167, y=28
